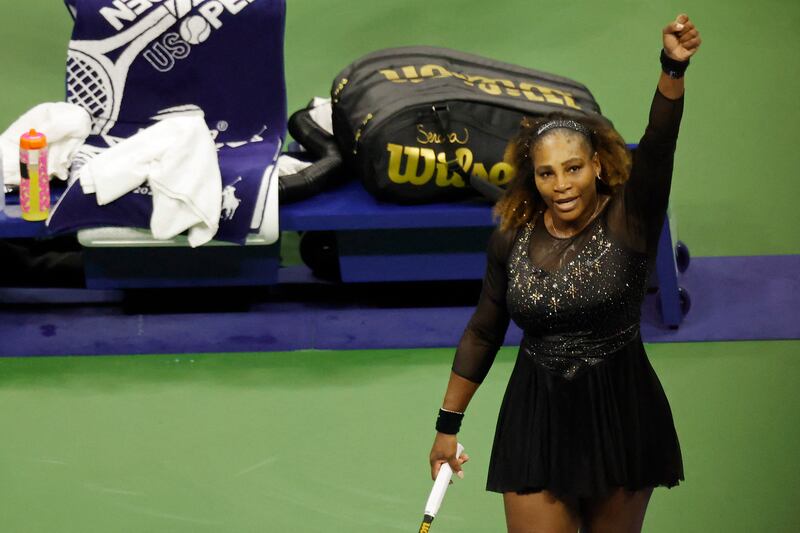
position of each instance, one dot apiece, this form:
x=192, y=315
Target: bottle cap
x=32, y=140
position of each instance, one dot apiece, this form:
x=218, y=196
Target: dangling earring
x=601, y=180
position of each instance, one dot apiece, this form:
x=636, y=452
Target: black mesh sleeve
x=646, y=194
x=486, y=329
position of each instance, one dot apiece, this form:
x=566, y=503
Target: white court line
x=265, y=462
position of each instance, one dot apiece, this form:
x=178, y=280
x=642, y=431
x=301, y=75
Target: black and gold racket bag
x=417, y=124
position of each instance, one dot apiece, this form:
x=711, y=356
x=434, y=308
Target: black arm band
x=448, y=422
x=673, y=68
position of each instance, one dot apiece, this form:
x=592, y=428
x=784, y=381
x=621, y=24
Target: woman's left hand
x=681, y=38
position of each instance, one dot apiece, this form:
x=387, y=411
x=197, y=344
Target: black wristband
x=672, y=67
x=448, y=422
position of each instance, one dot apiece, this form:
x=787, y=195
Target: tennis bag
x=416, y=123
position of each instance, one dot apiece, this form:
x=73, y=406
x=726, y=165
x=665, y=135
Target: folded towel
x=288, y=165
x=178, y=159
x=66, y=127
x=322, y=113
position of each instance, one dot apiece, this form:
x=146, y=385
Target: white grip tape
x=440, y=486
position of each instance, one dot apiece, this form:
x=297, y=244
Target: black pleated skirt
x=610, y=426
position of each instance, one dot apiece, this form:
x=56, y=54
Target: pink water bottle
x=34, y=185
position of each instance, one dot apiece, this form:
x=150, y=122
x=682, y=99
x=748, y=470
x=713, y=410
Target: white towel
x=178, y=159
x=66, y=127
x=288, y=165
x=269, y=227
x=322, y=113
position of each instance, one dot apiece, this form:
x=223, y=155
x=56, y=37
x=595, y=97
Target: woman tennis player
x=584, y=432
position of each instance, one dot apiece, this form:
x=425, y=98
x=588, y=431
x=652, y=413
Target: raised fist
x=681, y=38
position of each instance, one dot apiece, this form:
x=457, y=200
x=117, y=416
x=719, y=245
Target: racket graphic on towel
x=97, y=70
x=437, y=493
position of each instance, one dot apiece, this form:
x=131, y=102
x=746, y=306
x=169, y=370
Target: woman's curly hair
x=522, y=200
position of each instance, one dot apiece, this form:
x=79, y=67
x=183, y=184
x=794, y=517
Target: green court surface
x=735, y=189
x=338, y=441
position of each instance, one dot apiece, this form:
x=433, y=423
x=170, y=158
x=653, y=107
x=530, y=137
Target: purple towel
x=130, y=61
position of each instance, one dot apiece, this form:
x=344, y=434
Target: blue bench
x=376, y=241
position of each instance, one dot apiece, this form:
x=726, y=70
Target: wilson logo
x=418, y=166
x=492, y=86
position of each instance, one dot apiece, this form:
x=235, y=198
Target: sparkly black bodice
x=578, y=300
x=576, y=315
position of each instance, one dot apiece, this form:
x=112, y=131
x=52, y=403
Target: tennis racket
x=437, y=493
x=98, y=69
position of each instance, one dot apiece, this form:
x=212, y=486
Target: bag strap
x=441, y=114
x=324, y=172
x=490, y=191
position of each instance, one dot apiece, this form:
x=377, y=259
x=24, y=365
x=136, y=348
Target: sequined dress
x=583, y=412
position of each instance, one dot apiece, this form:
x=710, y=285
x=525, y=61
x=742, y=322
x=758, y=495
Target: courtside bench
x=375, y=241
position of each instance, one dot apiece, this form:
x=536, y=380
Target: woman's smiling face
x=564, y=170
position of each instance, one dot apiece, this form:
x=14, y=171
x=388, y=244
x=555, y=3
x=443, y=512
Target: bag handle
x=490, y=191
x=324, y=172
x=441, y=114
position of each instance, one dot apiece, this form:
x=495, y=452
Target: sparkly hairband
x=568, y=124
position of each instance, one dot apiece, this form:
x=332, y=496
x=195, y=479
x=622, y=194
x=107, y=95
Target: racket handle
x=425, y=526
x=440, y=486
